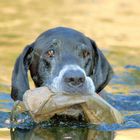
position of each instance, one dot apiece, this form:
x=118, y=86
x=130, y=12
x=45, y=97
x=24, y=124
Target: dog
x=64, y=60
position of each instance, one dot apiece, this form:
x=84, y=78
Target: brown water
x=114, y=25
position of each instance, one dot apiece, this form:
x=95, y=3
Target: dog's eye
x=86, y=53
x=50, y=53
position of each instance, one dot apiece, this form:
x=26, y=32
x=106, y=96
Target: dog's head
x=63, y=59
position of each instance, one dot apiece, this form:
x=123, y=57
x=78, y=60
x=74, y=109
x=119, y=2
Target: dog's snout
x=74, y=77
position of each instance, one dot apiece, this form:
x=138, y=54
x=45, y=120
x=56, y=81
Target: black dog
x=64, y=60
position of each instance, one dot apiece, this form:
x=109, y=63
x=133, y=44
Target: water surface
x=128, y=104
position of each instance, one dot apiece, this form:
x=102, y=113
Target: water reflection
x=59, y=133
x=126, y=98
x=125, y=80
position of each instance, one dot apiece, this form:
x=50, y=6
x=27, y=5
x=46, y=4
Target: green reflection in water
x=59, y=133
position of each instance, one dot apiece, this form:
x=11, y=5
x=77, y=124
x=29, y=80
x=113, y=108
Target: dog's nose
x=74, y=77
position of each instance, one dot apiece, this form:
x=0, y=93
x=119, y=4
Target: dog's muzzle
x=73, y=79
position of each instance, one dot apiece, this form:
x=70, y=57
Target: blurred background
x=113, y=24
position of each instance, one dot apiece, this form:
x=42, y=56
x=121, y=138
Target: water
x=127, y=104
x=58, y=133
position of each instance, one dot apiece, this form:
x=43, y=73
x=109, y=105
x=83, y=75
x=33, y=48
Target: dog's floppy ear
x=102, y=71
x=19, y=76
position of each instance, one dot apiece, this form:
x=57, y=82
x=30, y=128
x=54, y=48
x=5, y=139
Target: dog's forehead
x=64, y=35
x=63, y=32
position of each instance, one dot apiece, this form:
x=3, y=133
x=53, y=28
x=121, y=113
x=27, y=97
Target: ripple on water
x=119, y=101
x=128, y=104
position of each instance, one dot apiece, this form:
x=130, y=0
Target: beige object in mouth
x=44, y=104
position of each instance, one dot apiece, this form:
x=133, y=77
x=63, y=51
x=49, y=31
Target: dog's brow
x=82, y=46
x=56, y=42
